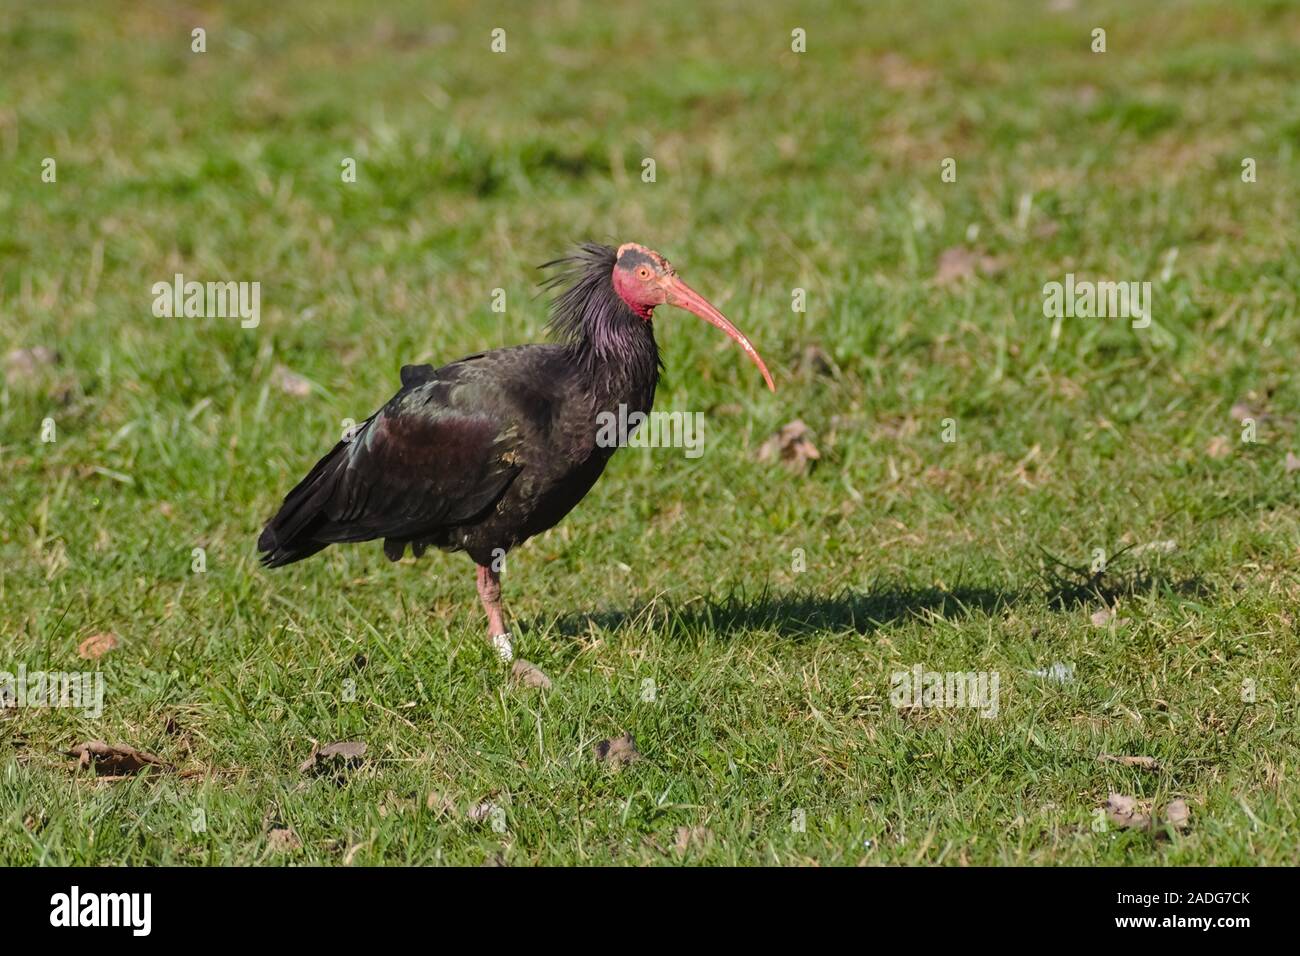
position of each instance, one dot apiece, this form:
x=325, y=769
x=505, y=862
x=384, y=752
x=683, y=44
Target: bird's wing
x=439, y=453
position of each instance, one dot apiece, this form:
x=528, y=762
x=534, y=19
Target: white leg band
x=502, y=643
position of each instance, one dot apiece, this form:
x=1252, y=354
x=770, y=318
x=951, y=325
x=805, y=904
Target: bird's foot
x=501, y=644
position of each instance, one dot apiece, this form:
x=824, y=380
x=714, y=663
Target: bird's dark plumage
x=481, y=454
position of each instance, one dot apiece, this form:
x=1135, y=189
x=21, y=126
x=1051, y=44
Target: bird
x=484, y=453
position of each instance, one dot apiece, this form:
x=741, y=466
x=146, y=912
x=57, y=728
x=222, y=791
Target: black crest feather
x=586, y=301
x=594, y=321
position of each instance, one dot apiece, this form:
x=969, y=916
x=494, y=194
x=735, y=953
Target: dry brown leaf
x=23, y=364
x=354, y=850
x=617, y=751
x=439, y=803
x=1218, y=447
x=290, y=382
x=529, y=675
x=1107, y=616
x=899, y=73
x=116, y=759
x=283, y=840
x=396, y=805
x=958, y=263
x=97, y=645
x=351, y=750
x=481, y=811
x=1126, y=813
x=687, y=837
x=343, y=753
x=1177, y=815
x=1146, y=763
x=816, y=361
x=1245, y=408
x=1155, y=547
x=792, y=446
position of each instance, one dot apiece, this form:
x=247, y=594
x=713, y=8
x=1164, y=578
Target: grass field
x=774, y=171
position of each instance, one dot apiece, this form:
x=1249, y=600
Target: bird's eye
x=643, y=273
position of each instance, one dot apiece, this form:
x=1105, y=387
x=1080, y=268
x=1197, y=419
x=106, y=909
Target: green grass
x=775, y=171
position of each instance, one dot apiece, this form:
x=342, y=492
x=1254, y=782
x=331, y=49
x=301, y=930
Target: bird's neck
x=612, y=350
x=621, y=365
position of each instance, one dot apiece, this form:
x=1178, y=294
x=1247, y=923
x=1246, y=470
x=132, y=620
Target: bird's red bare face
x=644, y=280
x=639, y=276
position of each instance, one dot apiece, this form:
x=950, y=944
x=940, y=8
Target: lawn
x=1102, y=516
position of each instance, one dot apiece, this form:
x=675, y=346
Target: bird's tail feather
x=301, y=527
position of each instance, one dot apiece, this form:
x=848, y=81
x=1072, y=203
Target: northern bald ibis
x=482, y=454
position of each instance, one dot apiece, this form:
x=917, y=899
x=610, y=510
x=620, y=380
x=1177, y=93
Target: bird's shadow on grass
x=800, y=614
x=1066, y=587
x=793, y=615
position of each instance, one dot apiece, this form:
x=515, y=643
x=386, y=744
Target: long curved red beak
x=684, y=297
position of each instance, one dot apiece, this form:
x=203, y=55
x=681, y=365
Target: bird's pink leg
x=489, y=592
